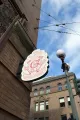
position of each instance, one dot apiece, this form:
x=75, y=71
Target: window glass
x=1, y=2
x=41, y=105
x=62, y=102
x=48, y=89
x=59, y=86
x=41, y=91
x=36, y=106
x=63, y=117
x=35, y=92
x=46, y=118
x=66, y=85
x=35, y=119
x=71, y=116
x=41, y=118
x=47, y=105
x=68, y=99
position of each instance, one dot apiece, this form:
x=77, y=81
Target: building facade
x=17, y=40
x=50, y=99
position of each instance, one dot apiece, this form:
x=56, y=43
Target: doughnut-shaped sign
x=35, y=66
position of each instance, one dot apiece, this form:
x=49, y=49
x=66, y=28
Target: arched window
x=48, y=89
x=66, y=87
x=35, y=92
x=59, y=86
x=41, y=90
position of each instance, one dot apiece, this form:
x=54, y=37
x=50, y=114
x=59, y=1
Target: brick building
x=17, y=40
x=50, y=99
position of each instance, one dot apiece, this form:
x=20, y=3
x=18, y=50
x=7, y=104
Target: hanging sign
x=35, y=66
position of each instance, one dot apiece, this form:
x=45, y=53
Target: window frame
x=63, y=116
x=71, y=116
x=35, y=118
x=59, y=86
x=35, y=93
x=41, y=91
x=47, y=105
x=1, y=2
x=42, y=118
x=46, y=118
x=48, y=89
x=36, y=106
x=68, y=100
x=43, y=105
x=62, y=104
x=66, y=86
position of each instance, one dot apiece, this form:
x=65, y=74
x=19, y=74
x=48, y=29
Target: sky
x=62, y=11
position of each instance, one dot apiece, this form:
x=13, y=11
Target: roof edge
x=51, y=78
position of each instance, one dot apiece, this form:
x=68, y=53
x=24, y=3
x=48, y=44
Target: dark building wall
x=15, y=46
x=31, y=14
x=14, y=95
x=4, y=115
x=7, y=14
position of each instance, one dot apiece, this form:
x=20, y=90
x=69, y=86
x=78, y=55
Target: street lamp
x=61, y=54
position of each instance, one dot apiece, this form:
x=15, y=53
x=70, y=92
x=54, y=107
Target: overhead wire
x=56, y=19
x=44, y=12
x=58, y=31
x=71, y=30
x=58, y=24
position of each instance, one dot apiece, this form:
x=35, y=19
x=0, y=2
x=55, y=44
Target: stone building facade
x=17, y=40
x=50, y=99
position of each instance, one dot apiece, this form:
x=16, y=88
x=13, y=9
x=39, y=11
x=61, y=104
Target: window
x=62, y=103
x=1, y=2
x=35, y=92
x=59, y=86
x=68, y=99
x=66, y=87
x=35, y=119
x=41, y=118
x=63, y=117
x=48, y=89
x=36, y=105
x=47, y=105
x=46, y=118
x=71, y=116
x=41, y=91
x=41, y=105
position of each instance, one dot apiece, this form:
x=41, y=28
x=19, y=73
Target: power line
x=71, y=30
x=58, y=24
x=43, y=20
x=56, y=20
x=44, y=12
x=58, y=31
x=46, y=26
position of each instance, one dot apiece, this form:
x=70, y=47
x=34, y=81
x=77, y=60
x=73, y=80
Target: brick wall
x=10, y=57
x=53, y=84
x=14, y=94
x=31, y=14
x=4, y=115
x=55, y=111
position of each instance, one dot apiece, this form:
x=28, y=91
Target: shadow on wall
x=52, y=114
